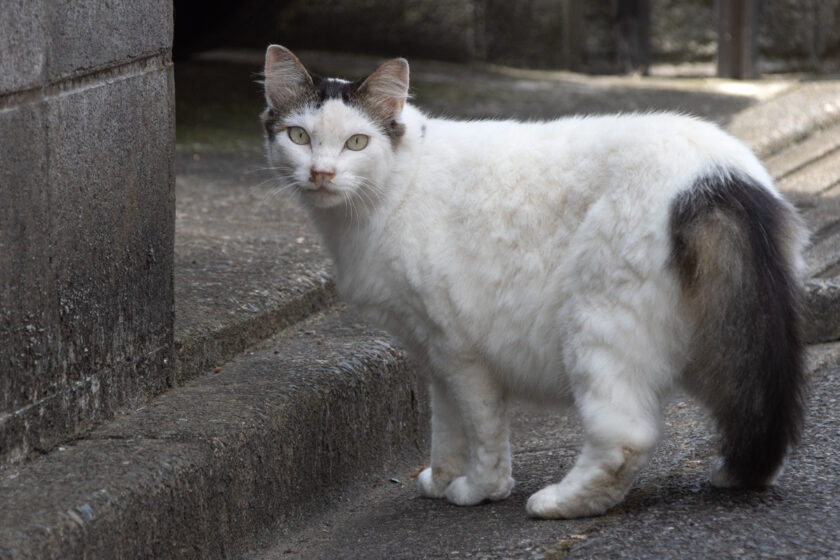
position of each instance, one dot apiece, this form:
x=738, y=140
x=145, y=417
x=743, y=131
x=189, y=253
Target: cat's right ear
x=285, y=77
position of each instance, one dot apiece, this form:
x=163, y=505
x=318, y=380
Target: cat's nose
x=321, y=178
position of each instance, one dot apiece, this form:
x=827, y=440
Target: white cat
x=594, y=261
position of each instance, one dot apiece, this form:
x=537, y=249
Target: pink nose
x=321, y=178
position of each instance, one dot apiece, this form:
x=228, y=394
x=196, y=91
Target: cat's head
x=332, y=140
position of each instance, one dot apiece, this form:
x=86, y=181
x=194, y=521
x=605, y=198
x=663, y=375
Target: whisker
x=274, y=193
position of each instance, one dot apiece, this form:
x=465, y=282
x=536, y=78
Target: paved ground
x=672, y=511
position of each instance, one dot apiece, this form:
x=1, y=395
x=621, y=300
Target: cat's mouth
x=323, y=196
x=320, y=191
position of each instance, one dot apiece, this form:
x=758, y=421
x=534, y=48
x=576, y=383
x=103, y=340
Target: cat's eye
x=298, y=135
x=357, y=142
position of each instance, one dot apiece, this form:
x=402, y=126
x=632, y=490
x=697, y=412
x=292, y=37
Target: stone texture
x=93, y=34
x=87, y=208
x=23, y=44
x=114, y=228
x=816, y=146
x=26, y=317
x=819, y=176
x=823, y=303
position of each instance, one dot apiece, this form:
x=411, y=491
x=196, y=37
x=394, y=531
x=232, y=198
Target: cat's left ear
x=386, y=90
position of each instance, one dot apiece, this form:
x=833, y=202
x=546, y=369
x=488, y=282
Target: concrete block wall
x=86, y=214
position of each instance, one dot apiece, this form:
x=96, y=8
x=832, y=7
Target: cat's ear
x=285, y=77
x=386, y=90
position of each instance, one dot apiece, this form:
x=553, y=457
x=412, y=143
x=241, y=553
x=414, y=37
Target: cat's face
x=330, y=140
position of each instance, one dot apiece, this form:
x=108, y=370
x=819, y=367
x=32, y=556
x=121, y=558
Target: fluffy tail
x=736, y=249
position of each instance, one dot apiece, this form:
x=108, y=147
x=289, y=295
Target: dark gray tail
x=735, y=250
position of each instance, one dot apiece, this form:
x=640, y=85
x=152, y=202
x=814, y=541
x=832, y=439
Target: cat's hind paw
x=723, y=478
x=462, y=492
x=557, y=502
x=545, y=504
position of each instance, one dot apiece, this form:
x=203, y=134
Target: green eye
x=357, y=142
x=298, y=135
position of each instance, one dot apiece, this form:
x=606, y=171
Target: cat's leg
x=621, y=420
x=450, y=451
x=483, y=411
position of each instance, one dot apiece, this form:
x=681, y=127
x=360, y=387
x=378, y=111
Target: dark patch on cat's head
x=350, y=94
x=269, y=119
x=290, y=88
x=333, y=88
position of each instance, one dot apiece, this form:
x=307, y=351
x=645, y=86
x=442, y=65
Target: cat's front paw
x=430, y=486
x=463, y=492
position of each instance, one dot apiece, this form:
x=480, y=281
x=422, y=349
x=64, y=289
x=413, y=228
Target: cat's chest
x=388, y=277
x=368, y=271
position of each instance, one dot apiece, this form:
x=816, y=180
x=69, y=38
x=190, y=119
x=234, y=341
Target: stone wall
x=86, y=214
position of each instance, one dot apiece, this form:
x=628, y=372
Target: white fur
x=519, y=260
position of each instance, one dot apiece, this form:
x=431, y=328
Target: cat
x=597, y=262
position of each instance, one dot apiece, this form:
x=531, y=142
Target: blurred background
x=597, y=36
x=500, y=58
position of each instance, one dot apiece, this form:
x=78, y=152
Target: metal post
x=633, y=26
x=572, y=35
x=737, y=29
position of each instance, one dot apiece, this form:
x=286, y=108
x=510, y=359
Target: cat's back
x=611, y=143
x=531, y=175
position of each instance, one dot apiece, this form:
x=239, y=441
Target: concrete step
x=816, y=177
x=247, y=263
x=778, y=123
x=256, y=445
x=809, y=174
x=814, y=147
x=822, y=216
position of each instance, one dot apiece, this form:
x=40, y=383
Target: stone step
x=823, y=259
x=247, y=262
x=775, y=125
x=809, y=174
x=204, y=466
x=817, y=177
x=822, y=217
x=813, y=148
